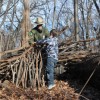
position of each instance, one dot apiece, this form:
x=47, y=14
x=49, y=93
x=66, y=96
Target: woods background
x=17, y=19
x=79, y=45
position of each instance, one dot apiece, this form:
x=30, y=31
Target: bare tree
x=54, y=14
x=26, y=22
x=1, y=1
x=5, y=15
x=0, y=44
x=97, y=7
x=83, y=21
x=43, y=8
x=76, y=19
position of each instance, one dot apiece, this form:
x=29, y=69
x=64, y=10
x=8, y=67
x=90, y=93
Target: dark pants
x=51, y=63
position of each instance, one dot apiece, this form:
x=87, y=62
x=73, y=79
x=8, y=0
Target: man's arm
x=42, y=42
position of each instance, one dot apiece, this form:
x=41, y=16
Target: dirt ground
x=88, y=93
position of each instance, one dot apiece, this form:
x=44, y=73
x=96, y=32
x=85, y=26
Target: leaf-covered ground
x=62, y=91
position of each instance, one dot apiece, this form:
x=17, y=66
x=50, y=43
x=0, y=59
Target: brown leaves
x=62, y=91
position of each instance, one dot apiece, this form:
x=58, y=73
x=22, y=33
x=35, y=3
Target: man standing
x=36, y=33
x=52, y=56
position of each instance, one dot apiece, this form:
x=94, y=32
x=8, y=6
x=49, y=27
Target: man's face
x=40, y=27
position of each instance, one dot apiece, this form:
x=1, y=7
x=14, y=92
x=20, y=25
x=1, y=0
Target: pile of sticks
x=25, y=69
x=72, y=53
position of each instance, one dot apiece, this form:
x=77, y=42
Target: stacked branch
x=74, y=51
x=26, y=67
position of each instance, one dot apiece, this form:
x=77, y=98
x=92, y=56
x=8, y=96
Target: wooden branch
x=19, y=73
x=17, y=57
x=62, y=30
x=11, y=51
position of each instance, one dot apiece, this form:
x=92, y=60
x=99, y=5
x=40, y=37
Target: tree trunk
x=83, y=23
x=25, y=22
x=54, y=13
x=76, y=20
x=1, y=1
x=97, y=7
x=89, y=6
x=5, y=15
x=0, y=44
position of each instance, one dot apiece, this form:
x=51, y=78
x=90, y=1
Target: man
x=36, y=33
x=52, y=56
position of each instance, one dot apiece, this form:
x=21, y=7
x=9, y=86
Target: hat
x=39, y=21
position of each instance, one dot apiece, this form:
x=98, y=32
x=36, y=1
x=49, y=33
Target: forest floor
x=89, y=92
x=64, y=90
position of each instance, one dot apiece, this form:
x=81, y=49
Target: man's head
x=53, y=33
x=39, y=22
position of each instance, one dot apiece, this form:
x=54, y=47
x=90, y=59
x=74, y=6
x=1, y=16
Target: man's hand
x=33, y=44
